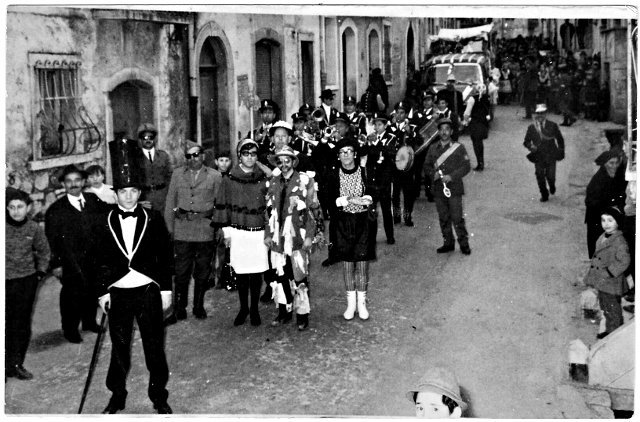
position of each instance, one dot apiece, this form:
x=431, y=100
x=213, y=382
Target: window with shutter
x=269, y=71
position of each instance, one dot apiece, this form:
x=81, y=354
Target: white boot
x=362, y=305
x=351, y=305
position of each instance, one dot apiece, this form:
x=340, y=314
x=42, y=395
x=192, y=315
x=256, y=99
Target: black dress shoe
x=19, y=372
x=255, y=319
x=163, y=408
x=241, y=317
x=445, y=248
x=465, y=250
x=544, y=198
x=200, y=313
x=115, y=404
x=479, y=167
x=73, y=337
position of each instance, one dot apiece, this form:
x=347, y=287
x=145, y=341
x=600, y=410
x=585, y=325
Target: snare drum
x=404, y=158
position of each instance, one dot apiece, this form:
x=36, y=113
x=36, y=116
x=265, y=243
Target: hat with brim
x=541, y=108
x=439, y=381
x=402, y=105
x=281, y=124
x=189, y=145
x=445, y=121
x=326, y=93
x=347, y=142
x=266, y=105
x=380, y=117
x=147, y=127
x=72, y=168
x=246, y=144
x=285, y=151
x=350, y=99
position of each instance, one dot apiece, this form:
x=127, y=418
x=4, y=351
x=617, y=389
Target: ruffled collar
x=241, y=176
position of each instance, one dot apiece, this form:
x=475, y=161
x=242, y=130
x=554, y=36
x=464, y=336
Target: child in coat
x=27, y=256
x=608, y=265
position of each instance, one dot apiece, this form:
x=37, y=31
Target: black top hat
x=127, y=165
x=266, y=104
x=326, y=93
x=72, y=168
x=350, y=99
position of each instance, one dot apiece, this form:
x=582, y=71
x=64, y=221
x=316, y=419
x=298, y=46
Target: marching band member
x=269, y=111
x=381, y=155
x=291, y=206
x=330, y=112
x=421, y=119
x=447, y=163
x=302, y=139
x=403, y=181
x=357, y=120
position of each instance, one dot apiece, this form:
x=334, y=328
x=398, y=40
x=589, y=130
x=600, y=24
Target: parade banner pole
x=94, y=360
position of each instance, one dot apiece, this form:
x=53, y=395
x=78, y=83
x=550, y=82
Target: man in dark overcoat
x=68, y=227
x=157, y=166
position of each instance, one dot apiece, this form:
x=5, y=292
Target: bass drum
x=404, y=158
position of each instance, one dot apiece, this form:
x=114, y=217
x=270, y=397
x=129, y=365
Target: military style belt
x=155, y=187
x=192, y=215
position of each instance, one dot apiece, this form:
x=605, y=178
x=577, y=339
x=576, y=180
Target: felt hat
x=326, y=93
x=72, y=168
x=445, y=121
x=541, y=108
x=283, y=125
x=614, y=212
x=147, y=127
x=246, y=144
x=285, y=151
x=296, y=117
x=350, y=99
x=268, y=104
x=380, y=116
x=440, y=381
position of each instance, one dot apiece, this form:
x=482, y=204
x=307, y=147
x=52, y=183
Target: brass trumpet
x=309, y=138
x=328, y=131
x=318, y=114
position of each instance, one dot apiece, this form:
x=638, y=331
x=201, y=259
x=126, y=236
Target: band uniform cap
x=188, y=145
x=266, y=104
x=72, y=168
x=326, y=93
x=402, y=105
x=350, y=99
x=445, y=121
x=281, y=124
x=285, y=151
x=380, y=116
x=296, y=117
x=244, y=143
x=342, y=117
x=147, y=127
x=304, y=107
x=541, y=108
x=426, y=95
x=440, y=381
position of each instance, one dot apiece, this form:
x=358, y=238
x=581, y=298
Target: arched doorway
x=269, y=71
x=214, y=102
x=349, y=57
x=132, y=103
x=411, y=59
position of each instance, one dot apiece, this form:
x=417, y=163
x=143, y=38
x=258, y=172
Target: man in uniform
x=357, y=120
x=403, y=181
x=157, y=166
x=134, y=263
x=452, y=96
x=544, y=140
x=447, y=163
x=421, y=119
x=269, y=114
x=188, y=214
x=69, y=229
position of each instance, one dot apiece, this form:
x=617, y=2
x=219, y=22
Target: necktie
x=81, y=203
x=150, y=159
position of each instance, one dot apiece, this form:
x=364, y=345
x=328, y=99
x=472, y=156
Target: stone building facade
x=78, y=78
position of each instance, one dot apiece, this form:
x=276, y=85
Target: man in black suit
x=134, y=264
x=68, y=224
x=330, y=112
x=544, y=140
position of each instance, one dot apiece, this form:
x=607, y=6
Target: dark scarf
x=14, y=223
x=239, y=175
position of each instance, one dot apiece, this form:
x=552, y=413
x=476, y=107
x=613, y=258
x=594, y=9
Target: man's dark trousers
x=77, y=302
x=143, y=303
x=196, y=257
x=450, y=213
x=546, y=173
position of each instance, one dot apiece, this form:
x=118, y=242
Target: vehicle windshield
x=462, y=71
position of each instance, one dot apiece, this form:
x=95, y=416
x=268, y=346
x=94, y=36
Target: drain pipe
x=194, y=117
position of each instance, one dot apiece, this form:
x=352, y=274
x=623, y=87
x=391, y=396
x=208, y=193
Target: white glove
x=166, y=299
x=105, y=302
x=343, y=201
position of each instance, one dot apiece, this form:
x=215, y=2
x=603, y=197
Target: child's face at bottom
x=17, y=209
x=223, y=163
x=429, y=406
x=609, y=224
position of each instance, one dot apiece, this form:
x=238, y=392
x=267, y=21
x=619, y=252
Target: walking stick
x=94, y=359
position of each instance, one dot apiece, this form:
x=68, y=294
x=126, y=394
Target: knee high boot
x=255, y=285
x=199, y=290
x=243, y=295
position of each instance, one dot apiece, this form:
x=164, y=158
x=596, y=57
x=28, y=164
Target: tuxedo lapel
x=140, y=225
x=116, y=230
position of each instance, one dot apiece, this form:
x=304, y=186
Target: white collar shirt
x=151, y=152
x=78, y=202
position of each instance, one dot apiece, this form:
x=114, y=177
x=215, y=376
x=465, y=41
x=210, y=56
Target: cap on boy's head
x=72, y=168
x=225, y=153
x=13, y=194
x=440, y=381
x=402, y=105
x=617, y=215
